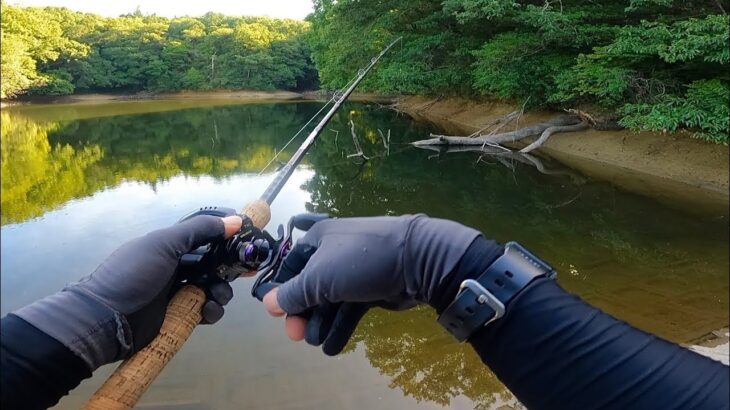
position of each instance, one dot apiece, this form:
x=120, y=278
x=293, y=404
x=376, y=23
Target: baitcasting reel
x=249, y=250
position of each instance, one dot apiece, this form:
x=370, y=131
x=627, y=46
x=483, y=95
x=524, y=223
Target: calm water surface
x=79, y=180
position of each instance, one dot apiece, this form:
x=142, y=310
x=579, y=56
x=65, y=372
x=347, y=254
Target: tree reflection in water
x=423, y=361
x=47, y=163
x=600, y=240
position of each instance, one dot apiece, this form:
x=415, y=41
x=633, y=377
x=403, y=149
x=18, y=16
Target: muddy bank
x=673, y=168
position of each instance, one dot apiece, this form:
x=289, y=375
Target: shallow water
x=79, y=180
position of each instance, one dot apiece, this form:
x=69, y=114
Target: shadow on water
x=657, y=268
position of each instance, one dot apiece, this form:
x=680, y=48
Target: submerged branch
x=499, y=154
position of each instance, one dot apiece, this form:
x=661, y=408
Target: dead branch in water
x=499, y=122
x=502, y=121
x=355, y=141
x=552, y=130
x=499, y=154
x=386, y=141
x=337, y=134
x=506, y=137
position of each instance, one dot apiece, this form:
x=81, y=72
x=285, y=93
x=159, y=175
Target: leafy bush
x=53, y=83
x=588, y=77
x=512, y=65
x=703, y=108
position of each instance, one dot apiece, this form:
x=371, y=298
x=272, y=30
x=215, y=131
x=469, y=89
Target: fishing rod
x=284, y=173
x=250, y=250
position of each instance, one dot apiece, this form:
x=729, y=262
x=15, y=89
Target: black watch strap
x=483, y=300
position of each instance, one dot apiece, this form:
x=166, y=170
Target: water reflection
x=657, y=268
x=424, y=362
x=45, y=164
x=36, y=174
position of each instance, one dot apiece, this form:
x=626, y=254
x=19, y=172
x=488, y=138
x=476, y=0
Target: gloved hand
x=342, y=267
x=119, y=308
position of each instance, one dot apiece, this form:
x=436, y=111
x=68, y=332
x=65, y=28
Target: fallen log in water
x=482, y=140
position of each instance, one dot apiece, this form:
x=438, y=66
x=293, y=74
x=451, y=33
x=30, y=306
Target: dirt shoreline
x=142, y=96
x=193, y=95
x=675, y=169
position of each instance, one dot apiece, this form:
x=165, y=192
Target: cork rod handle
x=131, y=379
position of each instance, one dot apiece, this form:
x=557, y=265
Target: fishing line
x=335, y=95
x=276, y=155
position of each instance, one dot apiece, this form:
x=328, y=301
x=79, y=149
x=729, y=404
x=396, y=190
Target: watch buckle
x=483, y=297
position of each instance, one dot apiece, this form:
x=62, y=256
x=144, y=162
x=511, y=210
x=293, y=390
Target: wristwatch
x=481, y=301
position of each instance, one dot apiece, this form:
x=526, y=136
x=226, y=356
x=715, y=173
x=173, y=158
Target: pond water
x=79, y=180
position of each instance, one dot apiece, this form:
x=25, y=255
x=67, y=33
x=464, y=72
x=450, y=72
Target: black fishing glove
x=343, y=267
x=119, y=308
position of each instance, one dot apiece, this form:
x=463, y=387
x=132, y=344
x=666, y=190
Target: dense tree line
x=659, y=64
x=56, y=51
x=652, y=64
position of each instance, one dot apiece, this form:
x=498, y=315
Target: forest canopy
x=56, y=51
x=659, y=65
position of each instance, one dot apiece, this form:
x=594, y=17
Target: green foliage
x=704, y=107
x=430, y=59
x=56, y=82
x=510, y=67
x=624, y=55
x=607, y=85
x=193, y=79
x=645, y=59
x=18, y=67
x=686, y=40
x=659, y=76
x=467, y=10
x=55, y=51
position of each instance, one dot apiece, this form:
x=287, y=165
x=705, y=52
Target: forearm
x=553, y=350
x=37, y=370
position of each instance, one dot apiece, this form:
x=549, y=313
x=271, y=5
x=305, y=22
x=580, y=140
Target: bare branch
x=355, y=141
x=550, y=131
x=501, y=120
x=337, y=134
x=386, y=141
x=722, y=9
